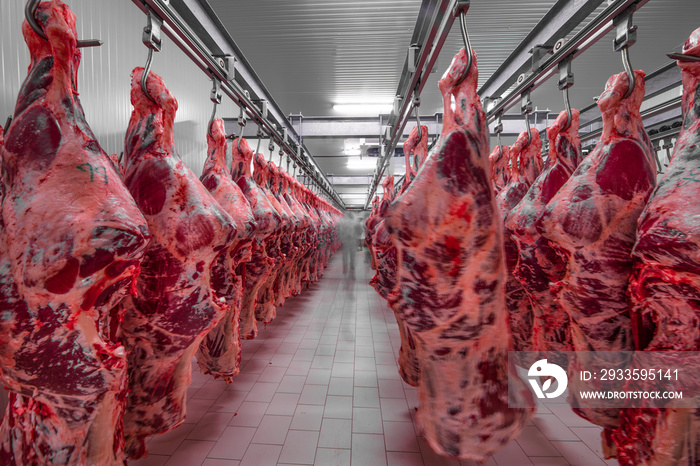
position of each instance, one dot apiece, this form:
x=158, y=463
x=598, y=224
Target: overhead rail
x=193, y=26
x=547, y=66
x=558, y=22
x=435, y=19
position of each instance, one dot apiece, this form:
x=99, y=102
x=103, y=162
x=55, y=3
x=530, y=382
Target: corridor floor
x=320, y=386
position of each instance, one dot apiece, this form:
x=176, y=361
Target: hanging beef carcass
x=500, y=172
x=448, y=218
x=538, y=263
x=304, y=195
x=302, y=241
x=175, y=307
x=665, y=288
x=73, y=239
x=525, y=165
x=220, y=352
x=592, y=221
x=276, y=244
x=290, y=242
x=415, y=151
x=267, y=220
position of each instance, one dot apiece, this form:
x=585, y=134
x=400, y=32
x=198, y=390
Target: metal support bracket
x=566, y=77
x=151, y=36
x=625, y=31
x=539, y=53
x=413, y=52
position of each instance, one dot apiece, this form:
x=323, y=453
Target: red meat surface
x=267, y=221
x=220, y=352
x=500, y=171
x=175, y=307
x=525, y=163
x=454, y=302
x=72, y=241
x=592, y=222
x=665, y=287
x=538, y=263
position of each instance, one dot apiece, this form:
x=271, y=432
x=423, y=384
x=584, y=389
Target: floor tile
x=228, y=402
x=150, y=460
x=307, y=417
x=211, y=426
x=299, y=447
x=340, y=386
x=511, y=454
x=318, y=377
x=249, y=414
x=299, y=368
x=391, y=388
x=325, y=350
x=233, y=443
x=281, y=359
x=313, y=395
x=243, y=382
x=196, y=408
x=283, y=404
x=167, y=443
x=344, y=357
x=261, y=455
x=577, y=453
x=342, y=369
x=190, y=452
x=534, y=443
x=218, y=462
x=401, y=458
x=291, y=384
x=322, y=362
x=552, y=427
x=305, y=354
x=367, y=421
x=365, y=364
x=272, y=430
x=368, y=449
x=366, y=397
x=338, y=407
x=335, y=433
x=332, y=457
x=394, y=409
x=365, y=379
x=272, y=374
x=262, y=391
x=400, y=436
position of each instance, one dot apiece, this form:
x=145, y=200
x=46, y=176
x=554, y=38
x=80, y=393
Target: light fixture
x=365, y=163
x=362, y=108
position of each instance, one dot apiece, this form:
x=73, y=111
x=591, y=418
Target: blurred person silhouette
x=349, y=232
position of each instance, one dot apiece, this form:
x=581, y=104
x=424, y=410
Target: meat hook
x=628, y=69
x=467, y=45
x=215, y=96
x=499, y=129
x=144, y=76
x=526, y=109
x=241, y=123
x=566, y=80
x=30, y=15
x=416, y=106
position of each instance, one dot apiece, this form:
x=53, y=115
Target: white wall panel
x=104, y=75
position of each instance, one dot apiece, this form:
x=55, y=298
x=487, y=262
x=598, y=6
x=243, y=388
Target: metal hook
x=628, y=69
x=241, y=123
x=151, y=39
x=144, y=76
x=499, y=129
x=215, y=96
x=416, y=106
x=625, y=37
x=526, y=109
x=566, y=80
x=30, y=15
x=463, y=6
x=280, y=153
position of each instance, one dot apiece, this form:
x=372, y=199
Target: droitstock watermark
x=611, y=379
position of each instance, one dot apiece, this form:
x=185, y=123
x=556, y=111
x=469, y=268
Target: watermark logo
x=541, y=369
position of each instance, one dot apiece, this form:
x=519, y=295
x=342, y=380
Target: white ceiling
x=312, y=54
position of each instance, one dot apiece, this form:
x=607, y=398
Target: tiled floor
x=320, y=386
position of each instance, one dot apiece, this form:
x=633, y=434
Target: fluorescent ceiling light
x=362, y=109
x=352, y=151
x=357, y=163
